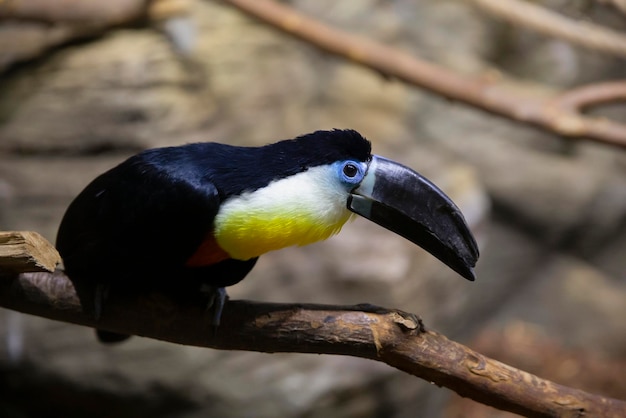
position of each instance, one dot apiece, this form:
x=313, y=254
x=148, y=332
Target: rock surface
x=552, y=248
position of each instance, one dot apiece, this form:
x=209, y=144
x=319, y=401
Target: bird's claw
x=101, y=293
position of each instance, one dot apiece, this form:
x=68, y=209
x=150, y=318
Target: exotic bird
x=199, y=215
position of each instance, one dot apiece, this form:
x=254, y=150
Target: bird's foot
x=101, y=294
x=217, y=297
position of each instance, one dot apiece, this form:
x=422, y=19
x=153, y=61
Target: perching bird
x=199, y=215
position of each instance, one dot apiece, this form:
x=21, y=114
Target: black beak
x=401, y=200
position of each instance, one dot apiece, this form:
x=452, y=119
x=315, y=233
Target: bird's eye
x=350, y=170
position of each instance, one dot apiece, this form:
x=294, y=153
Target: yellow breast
x=244, y=236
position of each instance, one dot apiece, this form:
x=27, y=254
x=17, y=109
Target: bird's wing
x=137, y=218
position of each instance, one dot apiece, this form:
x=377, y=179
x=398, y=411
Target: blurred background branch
x=490, y=95
x=549, y=23
x=109, y=13
x=618, y=4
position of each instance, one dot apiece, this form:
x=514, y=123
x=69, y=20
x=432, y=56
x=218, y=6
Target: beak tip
x=465, y=270
x=470, y=275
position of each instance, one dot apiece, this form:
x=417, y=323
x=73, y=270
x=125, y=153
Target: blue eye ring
x=351, y=172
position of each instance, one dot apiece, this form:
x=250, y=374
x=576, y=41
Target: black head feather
x=319, y=148
x=234, y=170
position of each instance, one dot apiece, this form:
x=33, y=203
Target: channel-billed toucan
x=199, y=215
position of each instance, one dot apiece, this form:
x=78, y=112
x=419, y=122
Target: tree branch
x=548, y=113
x=393, y=337
x=545, y=21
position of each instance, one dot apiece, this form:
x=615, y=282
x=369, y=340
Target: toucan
x=197, y=216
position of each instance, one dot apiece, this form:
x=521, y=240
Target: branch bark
x=393, y=337
x=549, y=113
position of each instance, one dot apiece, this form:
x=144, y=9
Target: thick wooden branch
x=548, y=113
x=393, y=337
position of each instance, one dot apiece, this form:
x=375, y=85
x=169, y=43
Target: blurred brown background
x=79, y=95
